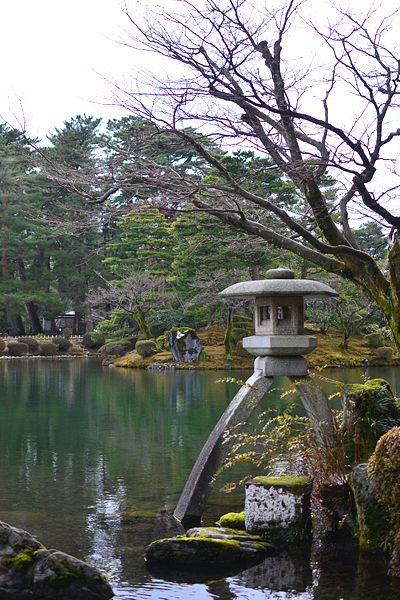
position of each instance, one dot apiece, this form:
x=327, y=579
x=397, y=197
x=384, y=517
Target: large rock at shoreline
x=28, y=570
x=209, y=547
x=184, y=345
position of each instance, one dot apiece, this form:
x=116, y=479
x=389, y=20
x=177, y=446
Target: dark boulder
x=28, y=570
x=213, y=546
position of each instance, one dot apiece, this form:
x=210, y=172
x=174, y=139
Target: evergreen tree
x=145, y=244
x=24, y=240
x=77, y=248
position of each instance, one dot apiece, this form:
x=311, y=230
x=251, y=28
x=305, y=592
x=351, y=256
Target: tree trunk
x=228, y=332
x=139, y=317
x=34, y=318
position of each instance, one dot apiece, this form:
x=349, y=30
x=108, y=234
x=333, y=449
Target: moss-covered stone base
x=374, y=527
x=279, y=508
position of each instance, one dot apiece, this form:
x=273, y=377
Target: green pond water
x=93, y=460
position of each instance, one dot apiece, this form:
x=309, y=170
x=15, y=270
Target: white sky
x=50, y=51
x=53, y=55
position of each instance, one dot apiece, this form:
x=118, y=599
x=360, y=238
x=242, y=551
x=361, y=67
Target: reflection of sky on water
x=103, y=522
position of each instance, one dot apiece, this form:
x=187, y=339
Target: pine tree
x=24, y=240
x=76, y=250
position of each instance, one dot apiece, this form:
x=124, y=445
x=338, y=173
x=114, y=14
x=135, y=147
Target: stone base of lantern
x=280, y=345
x=279, y=508
x=280, y=366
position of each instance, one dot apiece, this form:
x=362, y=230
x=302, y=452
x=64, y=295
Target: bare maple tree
x=130, y=298
x=240, y=78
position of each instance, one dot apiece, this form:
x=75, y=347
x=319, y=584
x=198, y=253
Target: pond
x=93, y=460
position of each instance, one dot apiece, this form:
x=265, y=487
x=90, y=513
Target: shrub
x=204, y=355
x=374, y=340
x=240, y=351
x=167, y=318
x=17, y=348
x=156, y=330
x=48, y=349
x=121, y=334
x=67, y=332
x=62, y=343
x=75, y=351
x=94, y=339
x=31, y=342
x=237, y=335
x=385, y=353
x=116, y=348
x=146, y=348
x=2, y=345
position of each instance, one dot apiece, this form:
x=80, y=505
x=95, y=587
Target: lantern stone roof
x=279, y=282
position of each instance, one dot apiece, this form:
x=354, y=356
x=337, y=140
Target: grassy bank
x=328, y=352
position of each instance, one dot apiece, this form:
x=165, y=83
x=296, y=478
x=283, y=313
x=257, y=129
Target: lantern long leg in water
x=199, y=484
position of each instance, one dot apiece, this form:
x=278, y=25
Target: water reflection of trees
x=93, y=460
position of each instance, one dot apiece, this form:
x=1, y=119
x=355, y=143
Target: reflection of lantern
x=279, y=312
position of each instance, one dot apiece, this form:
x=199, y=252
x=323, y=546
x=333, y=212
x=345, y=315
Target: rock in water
x=28, y=570
x=209, y=547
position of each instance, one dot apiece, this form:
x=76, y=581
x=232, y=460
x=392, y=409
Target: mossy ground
x=328, y=352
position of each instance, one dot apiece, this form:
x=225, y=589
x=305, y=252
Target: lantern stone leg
x=316, y=404
x=199, y=484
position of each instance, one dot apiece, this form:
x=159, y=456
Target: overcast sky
x=53, y=55
x=50, y=52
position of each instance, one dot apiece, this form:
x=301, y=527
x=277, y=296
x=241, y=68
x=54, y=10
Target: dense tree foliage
x=25, y=281
x=51, y=244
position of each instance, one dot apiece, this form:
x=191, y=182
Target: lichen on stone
x=291, y=481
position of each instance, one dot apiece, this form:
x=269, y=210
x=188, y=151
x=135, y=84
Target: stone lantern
x=278, y=344
x=279, y=341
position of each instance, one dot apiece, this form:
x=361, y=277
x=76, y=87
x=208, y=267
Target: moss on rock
x=28, y=570
x=370, y=410
x=384, y=470
x=22, y=560
x=373, y=528
x=209, y=547
x=292, y=481
x=233, y=520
